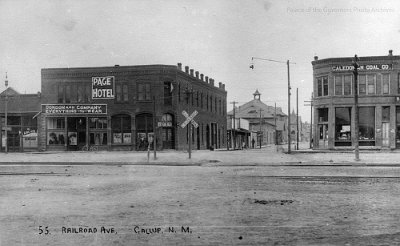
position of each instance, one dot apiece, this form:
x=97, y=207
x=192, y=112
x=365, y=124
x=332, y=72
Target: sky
x=215, y=37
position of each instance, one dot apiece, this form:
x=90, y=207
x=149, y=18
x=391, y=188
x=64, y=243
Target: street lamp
x=5, y=114
x=288, y=74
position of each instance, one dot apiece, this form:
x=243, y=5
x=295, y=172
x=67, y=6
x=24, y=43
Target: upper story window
x=366, y=84
x=144, y=92
x=323, y=88
x=121, y=93
x=168, y=93
x=64, y=93
x=343, y=84
x=385, y=83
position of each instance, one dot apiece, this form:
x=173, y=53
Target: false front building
x=378, y=102
x=126, y=107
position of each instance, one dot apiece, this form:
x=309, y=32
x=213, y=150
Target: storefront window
x=56, y=131
x=144, y=128
x=121, y=129
x=367, y=123
x=343, y=124
x=98, y=131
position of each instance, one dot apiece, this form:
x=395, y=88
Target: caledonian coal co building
x=378, y=102
x=117, y=108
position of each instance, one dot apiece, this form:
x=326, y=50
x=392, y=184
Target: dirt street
x=194, y=205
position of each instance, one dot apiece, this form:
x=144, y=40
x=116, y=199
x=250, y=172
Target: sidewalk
x=268, y=155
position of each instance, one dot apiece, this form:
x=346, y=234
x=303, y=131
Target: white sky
x=215, y=37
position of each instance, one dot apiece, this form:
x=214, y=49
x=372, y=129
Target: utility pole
x=297, y=118
x=5, y=114
x=288, y=73
x=188, y=94
x=155, y=129
x=234, y=125
x=276, y=135
x=260, y=129
x=356, y=111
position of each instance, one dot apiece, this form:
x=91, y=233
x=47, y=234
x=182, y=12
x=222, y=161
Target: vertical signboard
x=103, y=87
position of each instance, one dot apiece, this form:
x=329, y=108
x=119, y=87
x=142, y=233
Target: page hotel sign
x=79, y=109
x=103, y=87
x=370, y=67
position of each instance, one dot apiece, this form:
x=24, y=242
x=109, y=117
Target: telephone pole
x=234, y=125
x=356, y=111
x=288, y=74
x=261, y=135
x=297, y=118
x=5, y=114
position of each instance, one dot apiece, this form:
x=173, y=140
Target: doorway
x=323, y=136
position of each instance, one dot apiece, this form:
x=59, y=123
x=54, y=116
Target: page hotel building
x=378, y=102
x=125, y=107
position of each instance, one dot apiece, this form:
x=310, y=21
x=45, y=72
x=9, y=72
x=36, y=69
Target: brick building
x=21, y=122
x=379, y=106
x=112, y=108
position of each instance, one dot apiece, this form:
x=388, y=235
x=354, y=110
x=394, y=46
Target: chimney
x=207, y=79
x=197, y=74
x=191, y=71
x=202, y=77
x=180, y=66
x=186, y=69
x=220, y=85
x=390, y=52
x=315, y=58
x=223, y=86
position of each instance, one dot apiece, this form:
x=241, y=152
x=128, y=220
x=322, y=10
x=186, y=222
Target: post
x=297, y=118
x=6, y=115
x=276, y=135
x=188, y=94
x=234, y=125
x=289, y=138
x=154, y=128
x=260, y=130
x=311, y=126
x=356, y=111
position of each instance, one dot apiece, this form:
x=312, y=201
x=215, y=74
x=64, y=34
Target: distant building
x=262, y=120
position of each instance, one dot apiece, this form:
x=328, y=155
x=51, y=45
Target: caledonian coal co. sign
x=373, y=67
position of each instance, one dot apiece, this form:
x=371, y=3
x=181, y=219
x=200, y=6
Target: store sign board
x=103, y=87
x=74, y=109
x=164, y=124
x=370, y=67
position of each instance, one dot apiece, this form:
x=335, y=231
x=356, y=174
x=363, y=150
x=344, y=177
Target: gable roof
x=252, y=108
